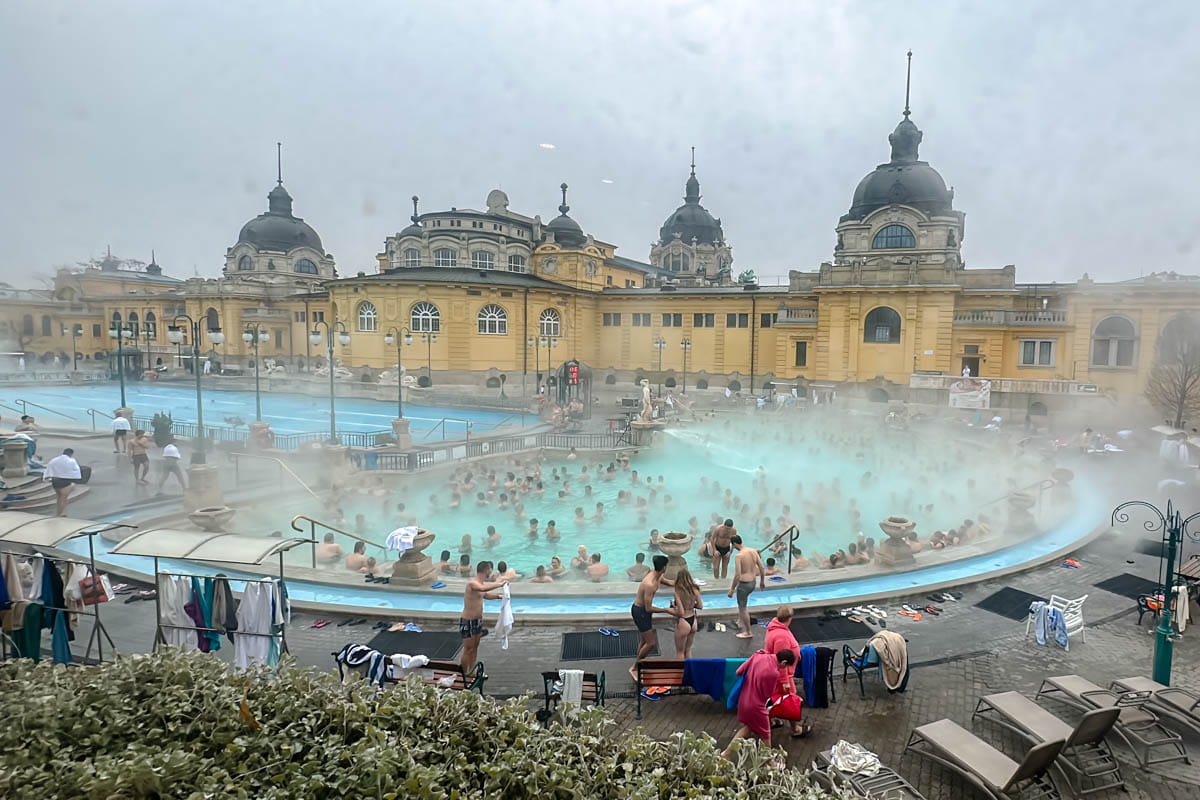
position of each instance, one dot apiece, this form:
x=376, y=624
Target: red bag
x=785, y=706
x=93, y=590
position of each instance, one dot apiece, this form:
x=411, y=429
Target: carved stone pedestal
x=400, y=431
x=894, y=551
x=414, y=566
x=673, y=545
x=15, y=461
x=204, y=488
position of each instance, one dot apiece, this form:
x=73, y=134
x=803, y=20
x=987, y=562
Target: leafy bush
x=184, y=725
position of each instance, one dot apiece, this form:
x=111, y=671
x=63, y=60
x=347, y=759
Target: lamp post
x=537, y=370
x=343, y=340
x=1173, y=526
x=398, y=337
x=121, y=333
x=76, y=332
x=175, y=335
x=659, y=344
x=252, y=336
x=685, y=345
x=548, y=342
x=428, y=338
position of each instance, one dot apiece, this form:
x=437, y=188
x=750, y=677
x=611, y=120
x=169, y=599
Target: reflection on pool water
x=287, y=413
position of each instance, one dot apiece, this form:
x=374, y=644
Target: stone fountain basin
x=422, y=540
x=212, y=518
x=674, y=543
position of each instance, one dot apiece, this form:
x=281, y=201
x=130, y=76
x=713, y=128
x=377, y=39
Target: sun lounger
x=1173, y=703
x=1085, y=760
x=885, y=784
x=1150, y=742
x=985, y=767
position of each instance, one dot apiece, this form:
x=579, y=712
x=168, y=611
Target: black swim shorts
x=642, y=618
x=471, y=628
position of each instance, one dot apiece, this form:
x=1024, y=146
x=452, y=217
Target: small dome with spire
x=566, y=230
x=691, y=220
x=415, y=228
x=279, y=229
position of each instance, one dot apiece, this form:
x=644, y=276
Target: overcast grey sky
x=1067, y=130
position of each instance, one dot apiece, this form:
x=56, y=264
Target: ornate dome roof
x=415, y=228
x=566, y=230
x=903, y=180
x=691, y=220
x=278, y=229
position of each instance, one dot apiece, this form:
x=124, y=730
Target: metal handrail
x=283, y=467
x=312, y=533
x=442, y=425
x=794, y=532
x=91, y=412
x=1041, y=486
x=25, y=408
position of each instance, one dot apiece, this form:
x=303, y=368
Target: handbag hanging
x=93, y=590
x=785, y=706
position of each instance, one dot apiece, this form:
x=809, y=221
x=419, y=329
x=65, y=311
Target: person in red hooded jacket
x=779, y=637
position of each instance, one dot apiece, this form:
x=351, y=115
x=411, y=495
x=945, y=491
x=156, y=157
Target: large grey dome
x=278, y=229
x=904, y=180
x=691, y=220
x=566, y=230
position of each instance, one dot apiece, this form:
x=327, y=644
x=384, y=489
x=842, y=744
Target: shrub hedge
x=178, y=725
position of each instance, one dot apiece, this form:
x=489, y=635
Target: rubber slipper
x=855, y=618
x=412, y=627
x=321, y=623
x=650, y=696
x=909, y=608
x=359, y=621
x=438, y=585
x=777, y=578
x=877, y=611
x=931, y=610
x=397, y=626
x=871, y=620
x=378, y=626
x=344, y=623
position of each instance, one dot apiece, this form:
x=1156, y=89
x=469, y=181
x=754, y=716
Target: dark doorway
x=971, y=363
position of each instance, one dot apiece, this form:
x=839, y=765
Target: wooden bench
x=657, y=672
x=593, y=690
x=470, y=681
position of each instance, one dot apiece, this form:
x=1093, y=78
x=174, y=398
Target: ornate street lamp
x=685, y=345
x=343, y=338
x=659, y=344
x=121, y=333
x=252, y=336
x=398, y=338
x=76, y=332
x=175, y=335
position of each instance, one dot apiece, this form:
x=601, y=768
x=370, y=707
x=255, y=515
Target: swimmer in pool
x=552, y=534
x=581, y=559
x=532, y=532
x=493, y=538
x=557, y=570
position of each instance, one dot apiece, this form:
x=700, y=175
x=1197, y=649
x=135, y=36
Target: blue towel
x=732, y=702
x=706, y=676
x=60, y=649
x=1047, y=620
x=808, y=668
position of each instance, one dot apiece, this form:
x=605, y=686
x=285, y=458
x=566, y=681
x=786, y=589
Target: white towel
x=402, y=665
x=1181, y=607
x=504, y=623
x=572, y=685
x=401, y=539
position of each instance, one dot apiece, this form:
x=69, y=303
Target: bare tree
x=1174, y=383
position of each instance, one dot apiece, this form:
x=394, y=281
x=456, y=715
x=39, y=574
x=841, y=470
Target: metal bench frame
x=657, y=665
x=593, y=682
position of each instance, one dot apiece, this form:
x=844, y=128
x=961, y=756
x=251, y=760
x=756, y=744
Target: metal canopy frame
x=40, y=532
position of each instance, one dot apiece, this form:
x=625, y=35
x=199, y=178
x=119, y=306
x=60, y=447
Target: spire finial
x=152, y=256
x=414, y=216
x=279, y=163
x=693, y=162
x=108, y=249
x=564, y=208
x=907, y=84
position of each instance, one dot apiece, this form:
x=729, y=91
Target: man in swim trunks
x=470, y=625
x=721, y=536
x=747, y=565
x=643, y=610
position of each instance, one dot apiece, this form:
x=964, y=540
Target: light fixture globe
x=264, y=337
x=314, y=337
x=216, y=337
x=247, y=337
x=344, y=339
x=175, y=334
x=389, y=340
x=408, y=339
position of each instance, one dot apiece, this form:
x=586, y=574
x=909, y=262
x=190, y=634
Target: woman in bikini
x=687, y=602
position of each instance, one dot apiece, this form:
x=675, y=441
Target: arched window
x=47, y=325
x=133, y=322
x=493, y=320
x=550, y=323
x=1112, y=343
x=482, y=259
x=894, y=236
x=212, y=319
x=517, y=263
x=368, y=317
x=114, y=325
x=445, y=257
x=678, y=262
x=882, y=326
x=246, y=263
x=425, y=318
x=151, y=324
x=306, y=266
x=412, y=257
x=27, y=325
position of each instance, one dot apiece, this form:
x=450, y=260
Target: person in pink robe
x=760, y=674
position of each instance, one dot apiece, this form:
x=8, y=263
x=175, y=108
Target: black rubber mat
x=1128, y=585
x=593, y=645
x=437, y=645
x=1009, y=602
x=816, y=629
x=1149, y=547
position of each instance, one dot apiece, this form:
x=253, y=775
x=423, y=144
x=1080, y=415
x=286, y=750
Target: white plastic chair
x=1072, y=611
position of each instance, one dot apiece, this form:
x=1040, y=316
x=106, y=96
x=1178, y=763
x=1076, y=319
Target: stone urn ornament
x=895, y=550
x=673, y=544
x=212, y=518
x=414, y=566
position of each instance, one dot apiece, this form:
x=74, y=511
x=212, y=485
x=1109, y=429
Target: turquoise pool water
x=287, y=413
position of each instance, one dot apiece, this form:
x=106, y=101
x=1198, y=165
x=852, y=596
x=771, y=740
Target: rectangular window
x=96, y=331
x=516, y=263
x=612, y=320
x=737, y=320
x=641, y=320
x=766, y=320
x=801, y=354
x=445, y=257
x=971, y=349
x=1037, y=352
x=301, y=316
x=1125, y=352
x=703, y=320
x=630, y=284
x=278, y=340
x=672, y=320
x=608, y=280
x=318, y=316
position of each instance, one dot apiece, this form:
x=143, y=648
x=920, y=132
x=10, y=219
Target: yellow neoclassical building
x=489, y=297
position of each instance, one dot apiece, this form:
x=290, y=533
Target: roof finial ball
x=564, y=208
x=414, y=214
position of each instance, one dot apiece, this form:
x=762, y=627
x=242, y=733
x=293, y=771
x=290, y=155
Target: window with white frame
x=412, y=257
x=672, y=320
x=445, y=257
x=305, y=267
x=703, y=320
x=641, y=320
x=368, y=317
x=425, y=318
x=482, y=259
x=612, y=320
x=517, y=263
x=493, y=320
x=550, y=323
x=1112, y=343
x=737, y=320
x=1037, y=352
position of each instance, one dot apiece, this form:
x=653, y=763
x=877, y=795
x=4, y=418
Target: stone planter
x=673, y=545
x=212, y=518
x=414, y=566
x=895, y=550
